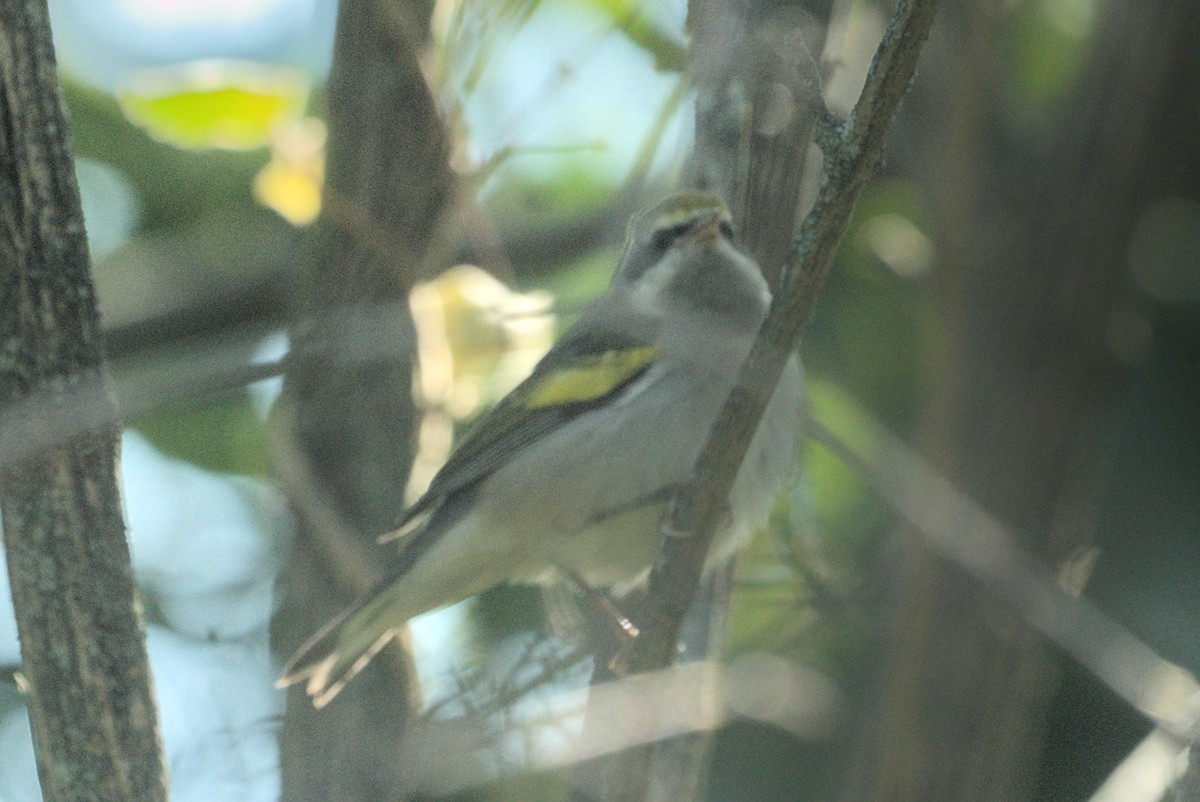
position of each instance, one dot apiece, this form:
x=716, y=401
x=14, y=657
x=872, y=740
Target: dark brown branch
x=852, y=153
x=83, y=650
x=754, y=66
x=850, y=162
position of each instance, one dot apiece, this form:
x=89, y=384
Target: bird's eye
x=727, y=230
x=664, y=238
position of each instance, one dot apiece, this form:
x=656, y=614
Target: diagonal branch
x=958, y=528
x=853, y=151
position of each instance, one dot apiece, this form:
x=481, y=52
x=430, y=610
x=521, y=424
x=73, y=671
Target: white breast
x=572, y=498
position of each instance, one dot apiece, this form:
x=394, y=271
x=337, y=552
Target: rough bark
x=756, y=68
x=82, y=644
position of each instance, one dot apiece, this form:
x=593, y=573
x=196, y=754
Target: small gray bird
x=571, y=473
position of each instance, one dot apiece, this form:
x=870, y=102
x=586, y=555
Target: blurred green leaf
x=838, y=493
x=799, y=591
x=1048, y=44
x=577, y=284
x=174, y=185
x=223, y=433
x=869, y=334
x=214, y=104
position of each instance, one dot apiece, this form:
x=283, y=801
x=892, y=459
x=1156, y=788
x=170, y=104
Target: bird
x=571, y=473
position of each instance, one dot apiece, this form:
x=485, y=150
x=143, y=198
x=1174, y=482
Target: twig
x=501, y=693
x=851, y=158
x=852, y=151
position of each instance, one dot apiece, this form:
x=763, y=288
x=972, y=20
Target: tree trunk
x=82, y=645
x=347, y=415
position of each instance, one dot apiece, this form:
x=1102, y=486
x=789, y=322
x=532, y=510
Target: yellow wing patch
x=589, y=378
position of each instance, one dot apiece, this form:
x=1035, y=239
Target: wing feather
x=582, y=371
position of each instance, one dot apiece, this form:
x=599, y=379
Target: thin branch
x=754, y=66
x=455, y=754
x=848, y=167
x=851, y=158
x=153, y=379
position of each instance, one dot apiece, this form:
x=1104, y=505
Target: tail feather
x=342, y=648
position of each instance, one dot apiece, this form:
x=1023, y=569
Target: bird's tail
x=344, y=646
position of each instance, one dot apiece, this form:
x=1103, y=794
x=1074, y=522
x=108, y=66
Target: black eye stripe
x=663, y=238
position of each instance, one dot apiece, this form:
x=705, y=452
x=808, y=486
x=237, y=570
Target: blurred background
x=1017, y=298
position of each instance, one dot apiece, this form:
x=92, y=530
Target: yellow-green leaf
x=214, y=104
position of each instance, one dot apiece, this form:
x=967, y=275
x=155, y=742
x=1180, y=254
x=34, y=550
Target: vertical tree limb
x=347, y=409
x=83, y=648
x=756, y=69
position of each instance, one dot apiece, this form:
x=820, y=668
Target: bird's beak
x=709, y=231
